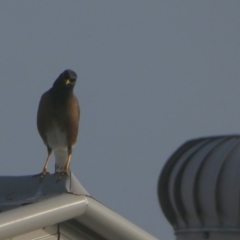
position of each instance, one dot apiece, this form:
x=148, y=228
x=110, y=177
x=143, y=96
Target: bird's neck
x=61, y=95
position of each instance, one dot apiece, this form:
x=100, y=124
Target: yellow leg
x=45, y=168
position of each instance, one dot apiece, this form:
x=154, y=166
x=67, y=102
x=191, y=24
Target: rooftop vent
x=199, y=189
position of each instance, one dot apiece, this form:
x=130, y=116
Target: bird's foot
x=43, y=173
x=64, y=172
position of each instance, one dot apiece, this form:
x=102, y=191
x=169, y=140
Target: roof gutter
x=63, y=207
x=37, y=215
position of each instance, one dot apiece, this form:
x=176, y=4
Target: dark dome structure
x=199, y=189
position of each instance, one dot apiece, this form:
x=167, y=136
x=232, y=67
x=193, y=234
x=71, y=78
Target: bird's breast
x=56, y=138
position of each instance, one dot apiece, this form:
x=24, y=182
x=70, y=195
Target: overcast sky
x=151, y=75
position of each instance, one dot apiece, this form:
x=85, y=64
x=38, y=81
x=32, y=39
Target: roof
x=28, y=204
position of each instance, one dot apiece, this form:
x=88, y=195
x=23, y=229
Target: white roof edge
x=41, y=214
x=68, y=206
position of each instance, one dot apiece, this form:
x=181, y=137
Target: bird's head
x=66, y=80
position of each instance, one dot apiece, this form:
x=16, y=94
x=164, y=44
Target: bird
x=58, y=119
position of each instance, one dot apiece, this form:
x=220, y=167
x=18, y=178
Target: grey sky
x=151, y=75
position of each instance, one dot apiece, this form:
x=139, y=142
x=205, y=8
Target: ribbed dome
x=199, y=187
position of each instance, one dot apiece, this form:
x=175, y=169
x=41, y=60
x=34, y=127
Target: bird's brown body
x=65, y=115
x=58, y=121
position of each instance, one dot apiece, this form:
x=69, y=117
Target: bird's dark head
x=66, y=80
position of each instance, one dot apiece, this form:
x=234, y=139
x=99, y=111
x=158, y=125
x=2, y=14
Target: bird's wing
x=73, y=117
x=44, y=116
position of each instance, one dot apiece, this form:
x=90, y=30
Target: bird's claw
x=64, y=172
x=43, y=173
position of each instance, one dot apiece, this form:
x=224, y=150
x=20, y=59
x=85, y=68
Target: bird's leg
x=67, y=165
x=45, y=168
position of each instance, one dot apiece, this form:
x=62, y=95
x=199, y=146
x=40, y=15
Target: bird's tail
x=61, y=155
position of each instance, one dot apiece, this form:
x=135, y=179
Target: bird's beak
x=68, y=81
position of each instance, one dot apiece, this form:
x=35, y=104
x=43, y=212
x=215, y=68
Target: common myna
x=58, y=120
